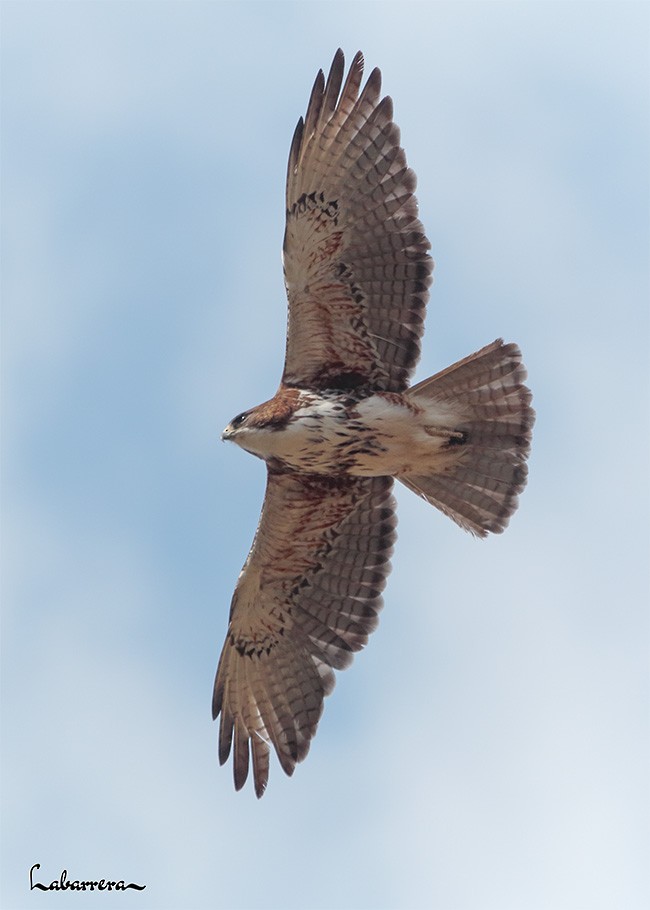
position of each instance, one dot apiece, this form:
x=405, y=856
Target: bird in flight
x=344, y=423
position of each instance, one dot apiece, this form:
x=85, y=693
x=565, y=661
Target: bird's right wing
x=307, y=598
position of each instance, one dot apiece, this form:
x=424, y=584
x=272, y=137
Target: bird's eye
x=238, y=420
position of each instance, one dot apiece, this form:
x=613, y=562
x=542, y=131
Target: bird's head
x=243, y=427
x=256, y=430
x=235, y=426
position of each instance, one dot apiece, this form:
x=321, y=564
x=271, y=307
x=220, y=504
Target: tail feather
x=486, y=471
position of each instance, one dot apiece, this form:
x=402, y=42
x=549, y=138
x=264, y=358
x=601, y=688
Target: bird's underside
x=344, y=423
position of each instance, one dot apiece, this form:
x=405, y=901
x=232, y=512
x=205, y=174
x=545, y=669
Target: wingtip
x=319, y=84
x=374, y=79
x=224, y=753
x=216, y=703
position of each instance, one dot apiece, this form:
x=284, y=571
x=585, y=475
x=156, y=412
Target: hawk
x=344, y=423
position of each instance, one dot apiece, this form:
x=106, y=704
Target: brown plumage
x=356, y=262
x=344, y=423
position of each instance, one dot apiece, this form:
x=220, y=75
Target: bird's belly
x=380, y=436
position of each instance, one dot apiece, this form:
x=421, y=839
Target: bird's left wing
x=307, y=598
x=356, y=262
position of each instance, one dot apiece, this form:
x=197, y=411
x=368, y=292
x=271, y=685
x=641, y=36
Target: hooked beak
x=227, y=433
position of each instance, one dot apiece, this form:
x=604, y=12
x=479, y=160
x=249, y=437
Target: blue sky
x=489, y=749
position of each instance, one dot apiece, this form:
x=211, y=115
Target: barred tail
x=489, y=446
